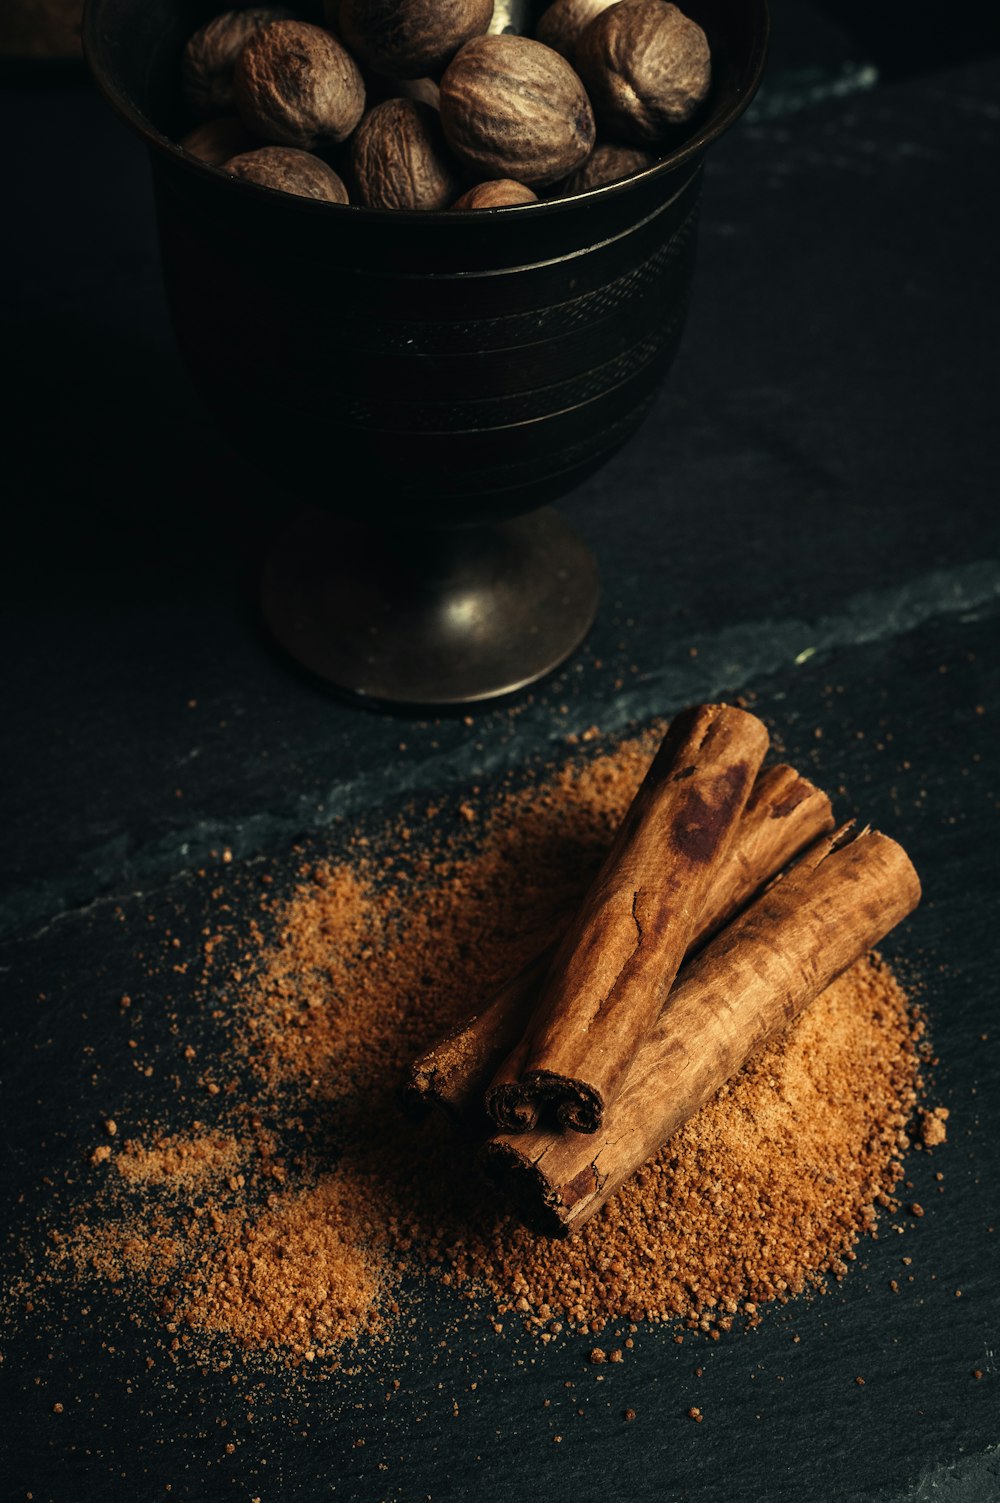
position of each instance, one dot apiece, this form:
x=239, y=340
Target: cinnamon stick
x=619, y=958
x=749, y=982
x=784, y=814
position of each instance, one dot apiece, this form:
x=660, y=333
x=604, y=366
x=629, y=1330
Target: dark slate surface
x=832, y=420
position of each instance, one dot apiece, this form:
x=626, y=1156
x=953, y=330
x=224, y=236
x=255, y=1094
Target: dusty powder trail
x=286, y=1225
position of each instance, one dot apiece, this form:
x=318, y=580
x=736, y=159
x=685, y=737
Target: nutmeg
x=296, y=85
x=289, y=171
x=210, y=55
x=498, y=193
x=410, y=38
x=513, y=108
x=646, y=67
x=215, y=141
x=560, y=25
x=423, y=90
x=400, y=160
x=608, y=163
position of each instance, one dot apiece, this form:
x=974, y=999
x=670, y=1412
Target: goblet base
x=425, y=617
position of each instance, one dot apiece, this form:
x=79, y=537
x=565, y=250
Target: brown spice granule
x=179, y=1161
x=331, y=993
x=932, y=1128
x=298, y=1277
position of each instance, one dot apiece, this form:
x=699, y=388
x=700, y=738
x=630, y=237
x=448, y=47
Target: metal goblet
x=426, y=382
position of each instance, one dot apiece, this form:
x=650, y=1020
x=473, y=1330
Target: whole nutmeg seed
x=511, y=107
x=423, y=90
x=296, y=85
x=210, y=55
x=289, y=171
x=608, y=163
x=215, y=141
x=400, y=160
x=646, y=66
x=498, y=193
x=410, y=38
x=561, y=24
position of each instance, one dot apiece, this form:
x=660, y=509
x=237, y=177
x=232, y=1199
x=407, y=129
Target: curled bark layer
x=618, y=961
x=751, y=981
x=784, y=814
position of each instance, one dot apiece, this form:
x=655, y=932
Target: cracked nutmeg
x=400, y=160
x=289, y=170
x=647, y=68
x=211, y=53
x=296, y=85
x=408, y=38
x=513, y=108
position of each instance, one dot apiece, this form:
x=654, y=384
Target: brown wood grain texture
x=618, y=960
x=784, y=814
x=750, y=982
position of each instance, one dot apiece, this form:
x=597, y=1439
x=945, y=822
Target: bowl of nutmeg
x=427, y=262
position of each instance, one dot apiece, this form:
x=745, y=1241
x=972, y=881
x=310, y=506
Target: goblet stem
x=430, y=617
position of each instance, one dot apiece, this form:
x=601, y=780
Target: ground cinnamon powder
x=178, y=1161
x=290, y=1224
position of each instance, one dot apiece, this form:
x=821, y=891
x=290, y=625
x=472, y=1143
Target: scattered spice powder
x=932, y=1126
x=179, y=1161
x=310, y=1197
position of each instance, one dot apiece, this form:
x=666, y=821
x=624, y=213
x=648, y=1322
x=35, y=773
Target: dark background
x=809, y=516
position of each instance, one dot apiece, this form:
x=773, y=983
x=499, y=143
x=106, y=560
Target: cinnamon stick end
x=511, y=1107
x=577, y=1105
x=414, y=1101
x=787, y=791
x=423, y=1091
x=532, y=1196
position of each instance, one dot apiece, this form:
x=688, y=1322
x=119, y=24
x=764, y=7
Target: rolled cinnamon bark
x=619, y=958
x=749, y=982
x=784, y=814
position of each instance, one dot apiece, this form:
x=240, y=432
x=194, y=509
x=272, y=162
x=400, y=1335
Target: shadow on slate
x=817, y=483
x=828, y=434
x=784, y=1418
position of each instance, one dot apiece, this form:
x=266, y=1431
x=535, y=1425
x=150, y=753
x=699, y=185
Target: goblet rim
x=96, y=47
